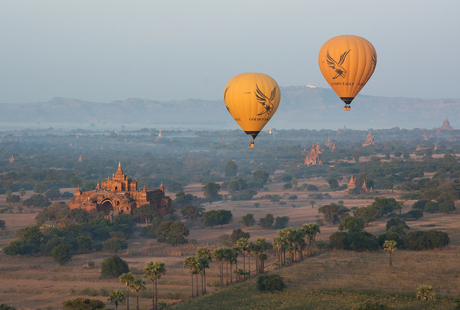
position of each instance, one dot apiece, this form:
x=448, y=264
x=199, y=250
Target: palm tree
x=390, y=247
x=229, y=258
x=191, y=263
x=153, y=271
x=249, y=251
x=262, y=246
x=203, y=263
x=310, y=232
x=255, y=249
x=278, y=244
x=243, y=243
x=312, y=202
x=236, y=252
x=262, y=257
x=219, y=255
x=425, y=293
x=204, y=253
x=299, y=240
x=138, y=285
x=115, y=297
x=22, y=192
x=127, y=279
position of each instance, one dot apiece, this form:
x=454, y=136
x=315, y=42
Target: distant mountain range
x=300, y=107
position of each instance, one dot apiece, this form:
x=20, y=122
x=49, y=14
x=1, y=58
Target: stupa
x=369, y=140
x=313, y=157
x=328, y=143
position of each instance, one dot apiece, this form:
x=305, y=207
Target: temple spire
x=161, y=187
x=119, y=170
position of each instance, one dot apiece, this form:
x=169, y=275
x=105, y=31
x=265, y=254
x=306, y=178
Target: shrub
x=172, y=232
x=248, y=220
x=431, y=206
x=237, y=234
x=267, y=221
x=281, y=222
x=270, y=283
x=339, y=240
x=389, y=235
x=396, y=225
x=62, y=254
x=113, y=267
x=420, y=204
x=424, y=240
x=362, y=240
x=6, y=307
x=371, y=305
x=83, y=304
x=352, y=224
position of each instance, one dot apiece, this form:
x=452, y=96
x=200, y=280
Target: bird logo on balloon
x=266, y=102
x=337, y=66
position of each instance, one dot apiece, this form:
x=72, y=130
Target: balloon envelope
x=347, y=62
x=252, y=99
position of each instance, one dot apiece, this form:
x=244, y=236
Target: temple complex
x=446, y=125
x=313, y=157
x=328, y=143
x=120, y=195
x=418, y=148
x=369, y=140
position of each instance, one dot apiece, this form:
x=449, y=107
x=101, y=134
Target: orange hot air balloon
x=347, y=63
x=252, y=100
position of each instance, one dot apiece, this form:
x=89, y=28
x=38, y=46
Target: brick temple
x=120, y=195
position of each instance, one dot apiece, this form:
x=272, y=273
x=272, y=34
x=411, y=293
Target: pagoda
x=80, y=159
x=339, y=132
x=369, y=140
x=446, y=125
x=418, y=148
x=11, y=160
x=319, y=150
x=352, y=184
x=313, y=157
x=334, y=149
x=328, y=143
x=424, y=136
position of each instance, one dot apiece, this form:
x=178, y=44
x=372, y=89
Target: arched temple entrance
x=106, y=207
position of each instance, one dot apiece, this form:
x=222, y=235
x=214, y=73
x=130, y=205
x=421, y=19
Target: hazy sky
x=172, y=50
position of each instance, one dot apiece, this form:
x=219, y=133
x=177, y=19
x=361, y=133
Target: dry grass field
x=39, y=283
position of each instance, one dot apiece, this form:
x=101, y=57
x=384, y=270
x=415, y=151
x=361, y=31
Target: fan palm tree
x=127, y=279
x=191, y=263
x=219, y=255
x=262, y=257
x=300, y=241
x=243, y=243
x=153, y=271
x=203, y=263
x=310, y=232
x=204, y=253
x=138, y=285
x=390, y=247
x=229, y=259
x=278, y=244
x=236, y=252
x=115, y=297
x=425, y=293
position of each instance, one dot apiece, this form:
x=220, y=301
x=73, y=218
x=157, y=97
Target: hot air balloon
x=347, y=63
x=252, y=99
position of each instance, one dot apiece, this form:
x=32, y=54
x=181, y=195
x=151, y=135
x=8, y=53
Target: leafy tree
x=40, y=188
x=22, y=192
x=116, y=297
x=420, y=204
x=84, y=244
x=260, y=178
x=397, y=225
x=267, y=221
x=311, y=188
x=211, y=192
x=431, y=206
x=270, y=283
x=172, y=232
x=237, y=234
x=281, y=222
x=149, y=231
x=425, y=293
x=113, y=245
x=79, y=215
x=231, y=169
x=62, y=254
x=248, y=220
x=128, y=280
x=389, y=247
x=113, y=267
x=389, y=235
x=191, y=212
x=294, y=182
x=425, y=240
x=13, y=248
x=447, y=206
x=362, y=240
x=333, y=213
x=52, y=194
x=367, y=214
x=339, y=240
x=351, y=224
x=13, y=199
x=153, y=271
x=83, y=304
x=216, y=217
x=145, y=212
x=406, y=154
x=333, y=183
x=6, y=307
x=30, y=235
x=2, y=225
x=312, y=203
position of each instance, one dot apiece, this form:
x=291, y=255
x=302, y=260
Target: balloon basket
x=347, y=108
x=251, y=144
